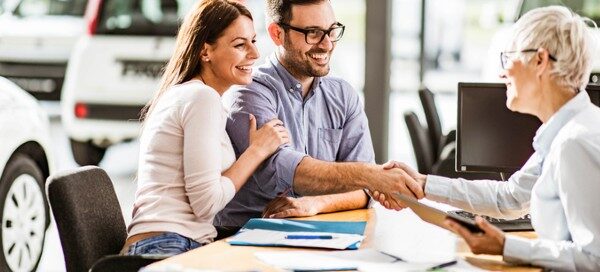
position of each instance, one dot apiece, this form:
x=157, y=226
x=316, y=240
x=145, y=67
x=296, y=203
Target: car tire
x=87, y=153
x=25, y=214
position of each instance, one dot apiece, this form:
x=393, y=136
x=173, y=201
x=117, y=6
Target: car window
x=586, y=8
x=142, y=17
x=51, y=7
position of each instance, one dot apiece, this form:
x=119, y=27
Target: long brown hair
x=204, y=24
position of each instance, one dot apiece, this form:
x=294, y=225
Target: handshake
x=397, y=177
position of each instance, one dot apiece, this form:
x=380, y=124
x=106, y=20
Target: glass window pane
x=51, y=7
x=142, y=17
x=587, y=8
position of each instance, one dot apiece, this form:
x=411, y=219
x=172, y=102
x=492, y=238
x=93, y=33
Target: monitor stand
x=503, y=176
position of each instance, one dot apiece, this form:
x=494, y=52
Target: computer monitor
x=594, y=92
x=490, y=137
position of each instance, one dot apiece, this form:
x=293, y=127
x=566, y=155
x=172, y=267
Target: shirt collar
x=548, y=131
x=289, y=81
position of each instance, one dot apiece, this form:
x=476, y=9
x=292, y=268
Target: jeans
x=166, y=244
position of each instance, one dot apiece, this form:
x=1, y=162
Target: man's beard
x=300, y=67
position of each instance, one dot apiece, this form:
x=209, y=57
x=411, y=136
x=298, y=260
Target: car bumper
x=104, y=125
x=42, y=80
x=112, y=112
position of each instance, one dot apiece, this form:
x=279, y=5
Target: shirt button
x=298, y=85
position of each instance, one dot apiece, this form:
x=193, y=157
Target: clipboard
x=303, y=226
x=436, y=216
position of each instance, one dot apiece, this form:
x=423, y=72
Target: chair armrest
x=123, y=263
x=448, y=151
x=448, y=138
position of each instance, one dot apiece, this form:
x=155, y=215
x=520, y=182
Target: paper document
x=173, y=268
x=306, y=225
x=259, y=237
x=402, y=236
x=319, y=261
x=460, y=266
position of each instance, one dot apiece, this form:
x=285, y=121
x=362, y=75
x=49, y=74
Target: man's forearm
x=314, y=177
x=342, y=202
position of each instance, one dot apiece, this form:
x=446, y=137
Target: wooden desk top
x=221, y=255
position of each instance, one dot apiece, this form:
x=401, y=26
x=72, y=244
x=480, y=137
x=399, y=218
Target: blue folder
x=347, y=227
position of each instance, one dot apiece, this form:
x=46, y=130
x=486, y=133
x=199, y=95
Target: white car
x=36, y=39
x=25, y=163
x=114, y=71
x=586, y=8
x=7, y=5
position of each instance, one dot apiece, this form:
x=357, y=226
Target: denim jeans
x=166, y=244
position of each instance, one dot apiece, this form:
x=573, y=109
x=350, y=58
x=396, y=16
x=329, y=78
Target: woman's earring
x=205, y=59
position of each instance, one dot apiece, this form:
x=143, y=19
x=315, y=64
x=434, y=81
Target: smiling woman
x=187, y=169
x=546, y=67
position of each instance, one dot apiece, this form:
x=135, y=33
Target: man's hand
x=419, y=178
x=379, y=197
x=282, y=207
x=412, y=184
x=394, y=180
x=490, y=242
x=417, y=188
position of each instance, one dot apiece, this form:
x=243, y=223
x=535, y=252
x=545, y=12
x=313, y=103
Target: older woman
x=545, y=69
x=187, y=167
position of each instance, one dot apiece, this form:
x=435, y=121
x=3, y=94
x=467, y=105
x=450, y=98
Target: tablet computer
x=436, y=216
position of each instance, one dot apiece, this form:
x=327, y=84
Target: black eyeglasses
x=505, y=56
x=316, y=35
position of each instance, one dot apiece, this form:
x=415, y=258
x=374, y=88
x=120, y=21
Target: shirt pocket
x=328, y=143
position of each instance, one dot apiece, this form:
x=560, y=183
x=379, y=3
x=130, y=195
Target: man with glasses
x=331, y=150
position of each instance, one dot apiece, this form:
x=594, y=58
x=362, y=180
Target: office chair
x=430, y=163
x=89, y=221
x=434, y=125
x=419, y=137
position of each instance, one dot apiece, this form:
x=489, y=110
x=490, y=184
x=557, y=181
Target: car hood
x=41, y=26
x=42, y=39
x=18, y=97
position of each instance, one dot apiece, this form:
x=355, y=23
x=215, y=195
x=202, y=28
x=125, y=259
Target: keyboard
x=519, y=224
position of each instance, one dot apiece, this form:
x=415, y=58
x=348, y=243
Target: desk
x=221, y=255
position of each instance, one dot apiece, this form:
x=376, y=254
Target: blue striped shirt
x=329, y=124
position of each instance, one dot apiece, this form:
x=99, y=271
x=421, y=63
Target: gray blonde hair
x=565, y=35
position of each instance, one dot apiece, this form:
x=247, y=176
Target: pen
x=440, y=266
x=308, y=237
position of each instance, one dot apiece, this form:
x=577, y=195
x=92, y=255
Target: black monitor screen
x=490, y=137
x=594, y=92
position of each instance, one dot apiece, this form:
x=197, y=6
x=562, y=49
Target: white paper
x=270, y=237
x=319, y=260
x=404, y=235
x=174, y=268
x=460, y=266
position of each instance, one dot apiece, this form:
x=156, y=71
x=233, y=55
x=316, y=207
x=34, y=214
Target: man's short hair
x=280, y=11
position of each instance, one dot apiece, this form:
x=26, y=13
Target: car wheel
x=24, y=214
x=86, y=153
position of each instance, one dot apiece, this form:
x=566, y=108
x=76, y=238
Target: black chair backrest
x=421, y=143
x=88, y=216
x=434, y=125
